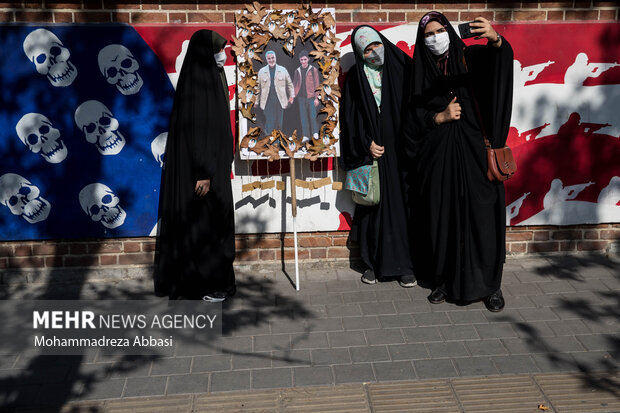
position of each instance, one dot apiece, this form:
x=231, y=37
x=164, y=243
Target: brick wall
x=313, y=247
x=269, y=249
x=149, y=11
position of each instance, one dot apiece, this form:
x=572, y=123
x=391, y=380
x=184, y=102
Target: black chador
x=196, y=245
x=458, y=232
x=381, y=230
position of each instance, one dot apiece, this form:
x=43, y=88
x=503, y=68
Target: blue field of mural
x=81, y=107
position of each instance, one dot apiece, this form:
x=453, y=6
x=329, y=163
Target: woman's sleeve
x=492, y=75
x=354, y=143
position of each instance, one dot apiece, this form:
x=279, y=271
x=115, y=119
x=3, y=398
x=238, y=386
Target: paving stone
x=397, y=295
x=600, y=342
x=329, y=298
x=517, y=302
x=486, y=347
x=568, y=327
x=475, y=366
x=365, y=354
x=433, y=369
x=453, y=333
x=550, y=300
x=343, y=310
x=347, y=338
x=591, y=285
x=230, y=380
x=7, y=360
x=359, y=297
x=310, y=376
x=422, y=334
x=177, y=365
x=595, y=361
x=384, y=336
x=377, y=308
x=412, y=306
x=532, y=277
x=309, y=340
x=355, y=373
x=495, y=330
x=349, y=274
x=87, y=372
x=107, y=389
x=252, y=329
x=272, y=342
x=554, y=362
x=612, y=283
x=556, y=287
x=467, y=317
x=508, y=315
x=602, y=326
x=334, y=286
x=211, y=363
x=360, y=323
x=331, y=356
x=566, y=313
x=532, y=329
x=288, y=326
x=234, y=344
x=515, y=364
x=447, y=350
x=431, y=319
x=396, y=370
x=327, y=324
x=131, y=367
x=396, y=320
x=290, y=358
x=524, y=346
x=562, y=344
x=509, y=276
x=526, y=288
x=145, y=386
x=272, y=378
x=538, y=314
x=412, y=351
x=251, y=360
x=188, y=383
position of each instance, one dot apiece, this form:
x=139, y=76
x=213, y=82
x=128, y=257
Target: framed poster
x=288, y=93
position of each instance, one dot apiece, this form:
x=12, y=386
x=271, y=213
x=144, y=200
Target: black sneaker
x=408, y=281
x=369, y=277
x=437, y=296
x=495, y=302
x=216, y=297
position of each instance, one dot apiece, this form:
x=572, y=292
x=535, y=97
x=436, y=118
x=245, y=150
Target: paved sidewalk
x=344, y=338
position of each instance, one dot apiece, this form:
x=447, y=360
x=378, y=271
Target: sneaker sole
x=408, y=285
x=213, y=299
x=367, y=281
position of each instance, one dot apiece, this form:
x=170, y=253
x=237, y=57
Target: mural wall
x=84, y=112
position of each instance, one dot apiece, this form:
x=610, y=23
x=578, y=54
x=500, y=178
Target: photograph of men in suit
x=275, y=92
x=306, y=82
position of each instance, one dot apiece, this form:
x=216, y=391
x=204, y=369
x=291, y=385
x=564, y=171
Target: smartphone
x=465, y=30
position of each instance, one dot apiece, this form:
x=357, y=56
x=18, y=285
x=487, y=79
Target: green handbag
x=364, y=184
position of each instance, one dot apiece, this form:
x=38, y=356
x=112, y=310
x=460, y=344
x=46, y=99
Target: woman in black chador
x=196, y=245
x=460, y=215
x=370, y=115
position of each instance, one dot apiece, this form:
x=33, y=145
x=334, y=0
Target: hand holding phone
x=465, y=30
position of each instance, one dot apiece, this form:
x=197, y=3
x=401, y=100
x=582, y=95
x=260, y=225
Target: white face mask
x=220, y=59
x=376, y=57
x=438, y=44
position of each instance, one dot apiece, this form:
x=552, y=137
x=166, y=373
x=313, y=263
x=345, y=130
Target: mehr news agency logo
x=88, y=321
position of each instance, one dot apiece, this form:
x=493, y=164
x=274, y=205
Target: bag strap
x=476, y=107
